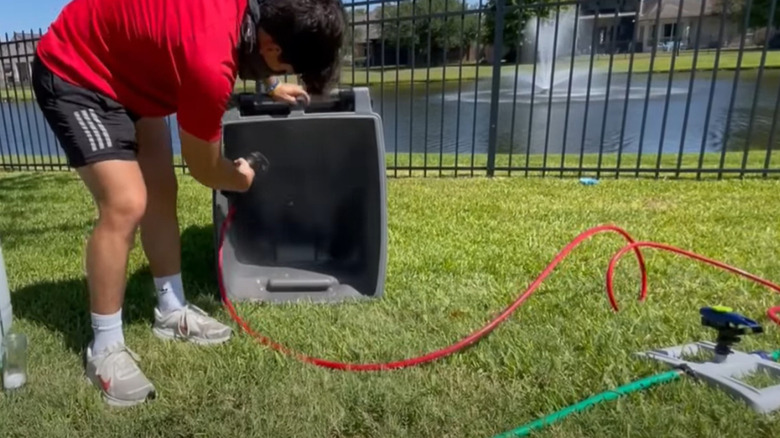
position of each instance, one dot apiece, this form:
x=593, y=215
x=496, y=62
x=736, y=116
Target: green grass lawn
x=460, y=250
x=449, y=164
x=662, y=62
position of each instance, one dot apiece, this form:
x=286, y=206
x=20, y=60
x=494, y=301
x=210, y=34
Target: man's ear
x=272, y=53
x=268, y=46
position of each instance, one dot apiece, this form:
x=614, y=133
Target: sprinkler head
x=730, y=327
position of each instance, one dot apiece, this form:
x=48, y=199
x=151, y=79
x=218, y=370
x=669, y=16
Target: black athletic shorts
x=90, y=127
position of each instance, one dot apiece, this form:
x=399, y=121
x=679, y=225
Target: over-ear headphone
x=251, y=63
x=248, y=37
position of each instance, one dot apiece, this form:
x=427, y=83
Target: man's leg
x=175, y=318
x=120, y=196
x=119, y=193
x=160, y=225
x=98, y=139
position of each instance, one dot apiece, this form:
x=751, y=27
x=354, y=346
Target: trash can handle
x=342, y=100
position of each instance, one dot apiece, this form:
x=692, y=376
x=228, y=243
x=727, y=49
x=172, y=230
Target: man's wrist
x=271, y=84
x=233, y=180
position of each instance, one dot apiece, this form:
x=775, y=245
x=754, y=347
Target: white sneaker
x=191, y=324
x=115, y=371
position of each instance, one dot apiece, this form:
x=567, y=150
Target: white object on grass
x=14, y=380
x=5, y=303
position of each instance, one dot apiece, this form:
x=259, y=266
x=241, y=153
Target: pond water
x=444, y=118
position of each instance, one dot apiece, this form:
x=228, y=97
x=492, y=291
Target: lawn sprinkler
x=721, y=366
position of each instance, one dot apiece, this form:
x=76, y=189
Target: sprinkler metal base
x=724, y=371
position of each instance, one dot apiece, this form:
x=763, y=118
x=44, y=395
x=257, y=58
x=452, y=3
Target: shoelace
x=115, y=362
x=189, y=318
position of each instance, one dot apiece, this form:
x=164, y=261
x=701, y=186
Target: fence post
x=498, y=49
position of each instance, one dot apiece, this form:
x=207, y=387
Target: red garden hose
x=438, y=354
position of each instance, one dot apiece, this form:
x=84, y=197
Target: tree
x=450, y=31
x=517, y=13
x=759, y=12
x=349, y=32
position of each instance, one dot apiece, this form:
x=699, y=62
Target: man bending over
x=106, y=74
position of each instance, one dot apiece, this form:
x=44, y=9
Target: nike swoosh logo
x=105, y=383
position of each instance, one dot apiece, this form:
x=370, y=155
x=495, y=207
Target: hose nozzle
x=258, y=162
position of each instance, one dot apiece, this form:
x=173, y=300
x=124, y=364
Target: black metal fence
x=503, y=87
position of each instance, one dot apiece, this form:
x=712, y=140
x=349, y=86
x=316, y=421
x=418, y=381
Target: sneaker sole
x=118, y=403
x=169, y=335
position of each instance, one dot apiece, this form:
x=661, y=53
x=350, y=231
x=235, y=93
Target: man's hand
x=210, y=168
x=246, y=171
x=289, y=93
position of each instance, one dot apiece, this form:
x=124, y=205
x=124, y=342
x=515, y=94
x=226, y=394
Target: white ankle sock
x=107, y=330
x=170, y=293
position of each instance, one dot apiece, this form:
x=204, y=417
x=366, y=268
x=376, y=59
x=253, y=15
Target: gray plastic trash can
x=314, y=225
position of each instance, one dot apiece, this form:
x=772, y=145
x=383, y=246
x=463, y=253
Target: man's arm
x=210, y=168
x=206, y=88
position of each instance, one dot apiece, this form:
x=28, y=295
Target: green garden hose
x=637, y=385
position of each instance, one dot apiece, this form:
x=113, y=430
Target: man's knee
x=123, y=211
x=119, y=192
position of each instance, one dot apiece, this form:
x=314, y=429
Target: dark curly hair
x=310, y=34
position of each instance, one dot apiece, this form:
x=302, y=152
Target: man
x=106, y=74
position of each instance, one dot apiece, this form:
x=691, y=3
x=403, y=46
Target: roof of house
x=20, y=43
x=670, y=9
x=19, y=36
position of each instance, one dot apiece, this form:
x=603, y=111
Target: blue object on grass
x=763, y=354
x=723, y=318
x=589, y=181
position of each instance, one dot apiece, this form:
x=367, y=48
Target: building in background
x=638, y=25
x=16, y=56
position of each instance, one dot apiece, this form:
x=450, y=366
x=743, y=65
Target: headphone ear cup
x=246, y=39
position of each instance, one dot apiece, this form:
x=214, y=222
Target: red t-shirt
x=155, y=57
